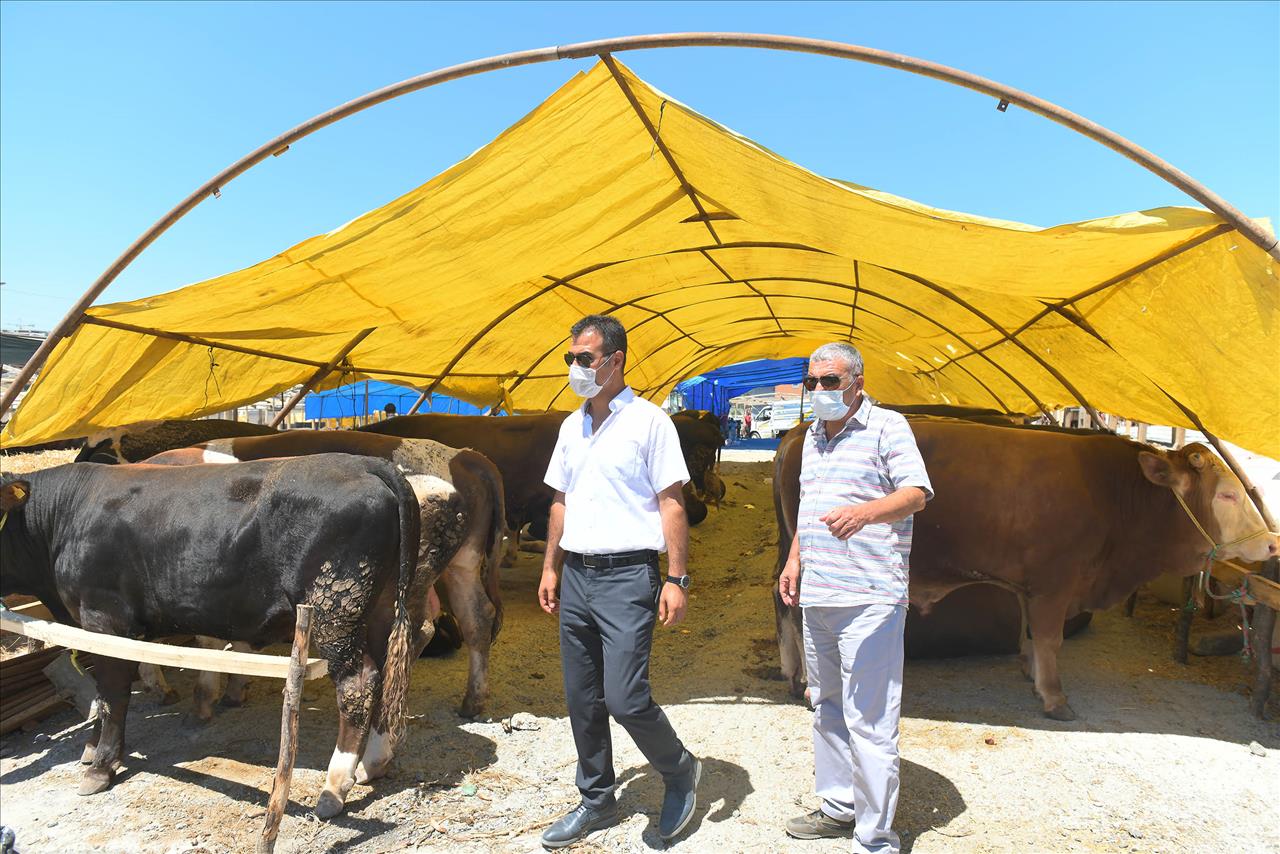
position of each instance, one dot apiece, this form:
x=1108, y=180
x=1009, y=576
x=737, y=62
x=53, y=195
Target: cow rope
x=1236, y=596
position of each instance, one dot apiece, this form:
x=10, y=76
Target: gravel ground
x=1164, y=757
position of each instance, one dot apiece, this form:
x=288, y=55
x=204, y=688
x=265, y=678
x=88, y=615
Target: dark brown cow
x=965, y=413
x=134, y=443
x=432, y=469
x=521, y=447
x=1069, y=521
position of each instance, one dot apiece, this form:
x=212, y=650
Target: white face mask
x=583, y=381
x=829, y=405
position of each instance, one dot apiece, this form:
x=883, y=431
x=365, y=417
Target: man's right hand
x=547, y=591
x=789, y=583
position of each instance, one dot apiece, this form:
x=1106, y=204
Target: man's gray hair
x=839, y=350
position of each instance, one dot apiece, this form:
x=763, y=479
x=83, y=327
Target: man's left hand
x=847, y=520
x=672, y=603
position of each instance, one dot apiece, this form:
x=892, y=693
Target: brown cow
x=134, y=443
x=1068, y=521
x=521, y=447
x=471, y=576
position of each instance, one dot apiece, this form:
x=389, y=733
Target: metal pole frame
x=213, y=187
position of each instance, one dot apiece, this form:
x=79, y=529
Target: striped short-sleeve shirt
x=873, y=456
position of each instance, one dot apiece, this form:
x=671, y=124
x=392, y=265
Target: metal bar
x=657, y=140
x=1252, y=231
x=1102, y=286
x=288, y=732
x=1054, y=372
x=193, y=339
x=729, y=279
x=321, y=372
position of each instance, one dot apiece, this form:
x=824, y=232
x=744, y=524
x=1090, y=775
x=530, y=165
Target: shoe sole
x=604, y=825
x=837, y=834
x=697, y=778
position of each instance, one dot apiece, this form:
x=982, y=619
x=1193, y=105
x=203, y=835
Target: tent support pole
x=1250, y=230
x=422, y=398
x=192, y=339
x=1054, y=372
x=322, y=372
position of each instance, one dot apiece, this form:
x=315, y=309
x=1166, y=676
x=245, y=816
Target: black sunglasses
x=830, y=382
x=584, y=358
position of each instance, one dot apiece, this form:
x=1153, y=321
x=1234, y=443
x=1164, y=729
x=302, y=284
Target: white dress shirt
x=611, y=479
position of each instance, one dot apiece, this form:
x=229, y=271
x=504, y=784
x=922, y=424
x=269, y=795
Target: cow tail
x=396, y=670
x=497, y=533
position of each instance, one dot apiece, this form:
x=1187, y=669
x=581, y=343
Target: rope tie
x=1236, y=596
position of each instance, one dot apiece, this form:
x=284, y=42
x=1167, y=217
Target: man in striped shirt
x=861, y=479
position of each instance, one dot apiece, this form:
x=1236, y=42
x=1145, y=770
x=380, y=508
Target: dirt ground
x=1159, y=761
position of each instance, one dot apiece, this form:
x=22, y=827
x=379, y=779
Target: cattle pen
x=294, y=669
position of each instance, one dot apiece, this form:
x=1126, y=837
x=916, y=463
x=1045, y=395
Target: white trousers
x=854, y=657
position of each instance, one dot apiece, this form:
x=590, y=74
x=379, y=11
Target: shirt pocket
x=625, y=460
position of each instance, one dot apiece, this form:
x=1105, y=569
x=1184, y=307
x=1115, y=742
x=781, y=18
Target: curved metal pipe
x=1251, y=230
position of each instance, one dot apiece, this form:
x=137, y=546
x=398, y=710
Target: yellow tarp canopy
x=471, y=281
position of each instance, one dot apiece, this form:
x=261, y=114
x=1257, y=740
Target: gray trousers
x=606, y=633
x=854, y=657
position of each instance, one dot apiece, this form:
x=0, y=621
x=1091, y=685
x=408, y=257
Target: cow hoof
x=328, y=805
x=1063, y=712
x=471, y=709
x=86, y=756
x=366, y=775
x=234, y=702
x=168, y=698
x=96, y=780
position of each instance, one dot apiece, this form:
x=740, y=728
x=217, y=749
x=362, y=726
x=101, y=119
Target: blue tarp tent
x=350, y=400
x=714, y=389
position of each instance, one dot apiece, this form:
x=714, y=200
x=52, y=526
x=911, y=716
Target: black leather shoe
x=576, y=824
x=679, y=802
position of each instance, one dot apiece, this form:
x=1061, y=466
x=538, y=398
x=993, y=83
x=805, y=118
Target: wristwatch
x=680, y=581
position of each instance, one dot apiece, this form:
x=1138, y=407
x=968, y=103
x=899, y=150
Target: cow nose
x=1272, y=548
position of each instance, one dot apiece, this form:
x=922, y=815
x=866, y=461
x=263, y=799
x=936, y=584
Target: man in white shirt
x=617, y=470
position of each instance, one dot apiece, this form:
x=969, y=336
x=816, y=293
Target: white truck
x=779, y=417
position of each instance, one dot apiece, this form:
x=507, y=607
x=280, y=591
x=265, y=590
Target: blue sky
x=112, y=113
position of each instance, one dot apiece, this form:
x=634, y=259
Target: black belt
x=616, y=559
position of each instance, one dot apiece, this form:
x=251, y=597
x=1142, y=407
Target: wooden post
x=1142, y=431
x=1179, y=437
x=1264, y=621
x=1182, y=631
x=288, y=731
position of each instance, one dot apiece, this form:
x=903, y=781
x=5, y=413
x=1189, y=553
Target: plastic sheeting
x=471, y=281
x=371, y=397
x=713, y=390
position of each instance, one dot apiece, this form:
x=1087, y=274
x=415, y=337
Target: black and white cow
x=229, y=552
x=470, y=577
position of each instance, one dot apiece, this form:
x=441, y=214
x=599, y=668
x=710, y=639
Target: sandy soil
x=1159, y=761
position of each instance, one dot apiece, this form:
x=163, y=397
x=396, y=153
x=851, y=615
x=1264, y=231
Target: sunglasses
x=830, y=382
x=584, y=359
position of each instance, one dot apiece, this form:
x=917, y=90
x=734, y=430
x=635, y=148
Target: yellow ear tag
x=18, y=492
